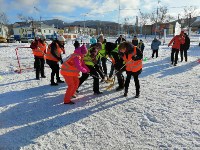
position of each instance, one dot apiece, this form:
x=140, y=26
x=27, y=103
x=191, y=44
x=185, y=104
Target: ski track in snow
x=166, y=116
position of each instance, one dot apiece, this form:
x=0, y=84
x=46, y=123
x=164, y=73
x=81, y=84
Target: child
x=70, y=70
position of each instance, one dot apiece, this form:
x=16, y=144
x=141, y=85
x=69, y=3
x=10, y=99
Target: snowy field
x=165, y=117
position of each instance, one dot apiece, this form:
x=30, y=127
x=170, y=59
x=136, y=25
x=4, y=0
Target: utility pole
x=119, y=19
x=157, y=18
x=189, y=23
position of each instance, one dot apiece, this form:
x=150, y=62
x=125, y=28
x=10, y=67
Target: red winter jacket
x=177, y=41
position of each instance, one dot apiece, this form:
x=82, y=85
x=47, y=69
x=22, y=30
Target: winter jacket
x=133, y=60
x=103, y=51
x=177, y=41
x=117, y=61
x=40, y=50
x=74, y=64
x=120, y=40
x=135, y=41
x=54, y=52
x=91, y=60
x=186, y=45
x=141, y=46
x=155, y=44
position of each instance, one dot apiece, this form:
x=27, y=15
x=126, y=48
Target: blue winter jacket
x=155, y=44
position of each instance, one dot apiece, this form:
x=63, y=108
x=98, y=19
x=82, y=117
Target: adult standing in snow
x=155, y=46
x=184, y=47
x=177, y=41
x=70, y=70
x=120, y=40
x=135, y=41
x=39, y=51
x=34, y=46
x=141, y=46
x=133, y=59
x=53, y=56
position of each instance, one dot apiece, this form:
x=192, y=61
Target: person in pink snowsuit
x=70, y=70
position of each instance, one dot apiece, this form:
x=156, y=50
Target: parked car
x=25, y=40
x=11, y=40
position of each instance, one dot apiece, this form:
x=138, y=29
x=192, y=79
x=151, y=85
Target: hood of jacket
x=81, y=50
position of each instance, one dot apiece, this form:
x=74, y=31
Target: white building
x=29, y=30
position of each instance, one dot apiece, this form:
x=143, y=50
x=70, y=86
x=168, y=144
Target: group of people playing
x=124, y=57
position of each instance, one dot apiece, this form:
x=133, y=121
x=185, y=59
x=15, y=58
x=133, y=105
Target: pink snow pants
x=73, y=83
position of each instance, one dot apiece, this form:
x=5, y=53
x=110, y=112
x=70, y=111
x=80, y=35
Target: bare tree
x=3, y=18
x=161, y=15
x=190, y=10
x=144, y=18
x=25, y=18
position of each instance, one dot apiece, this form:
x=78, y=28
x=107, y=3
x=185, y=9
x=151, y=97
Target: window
x=44, y=31
x=49, y=31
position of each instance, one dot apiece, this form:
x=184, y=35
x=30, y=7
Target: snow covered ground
x=166, y=116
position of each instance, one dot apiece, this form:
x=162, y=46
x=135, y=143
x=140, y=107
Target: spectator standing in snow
x=70, y=70
x=53, y=56
x=34, y=46
x=133, y=59
x=177, y=41
x=39, y=51
x=184, y=47
x=141, y=46
x=135, y=41
x=155, y=46
x=120, y=40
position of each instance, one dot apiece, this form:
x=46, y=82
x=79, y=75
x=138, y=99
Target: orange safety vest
x=132, y=65
x=58, y=52
x=68, y=67
x=40, y=50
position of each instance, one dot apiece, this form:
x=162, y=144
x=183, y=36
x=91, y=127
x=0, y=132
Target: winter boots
x=119, y=88
x=59, y=81
x=137, y=93
x=126, y=92
x=97, y=93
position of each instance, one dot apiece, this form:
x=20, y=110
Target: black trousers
x=103, y=62
x=39, y=66
x=54, y=69
x=95, y=76
x=174, y=52
x=183, y=51
x=155, y=51
x=136, y=80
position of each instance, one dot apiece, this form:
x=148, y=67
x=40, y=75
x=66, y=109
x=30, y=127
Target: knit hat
x=61, y=38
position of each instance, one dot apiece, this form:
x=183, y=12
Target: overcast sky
x=105, y=10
